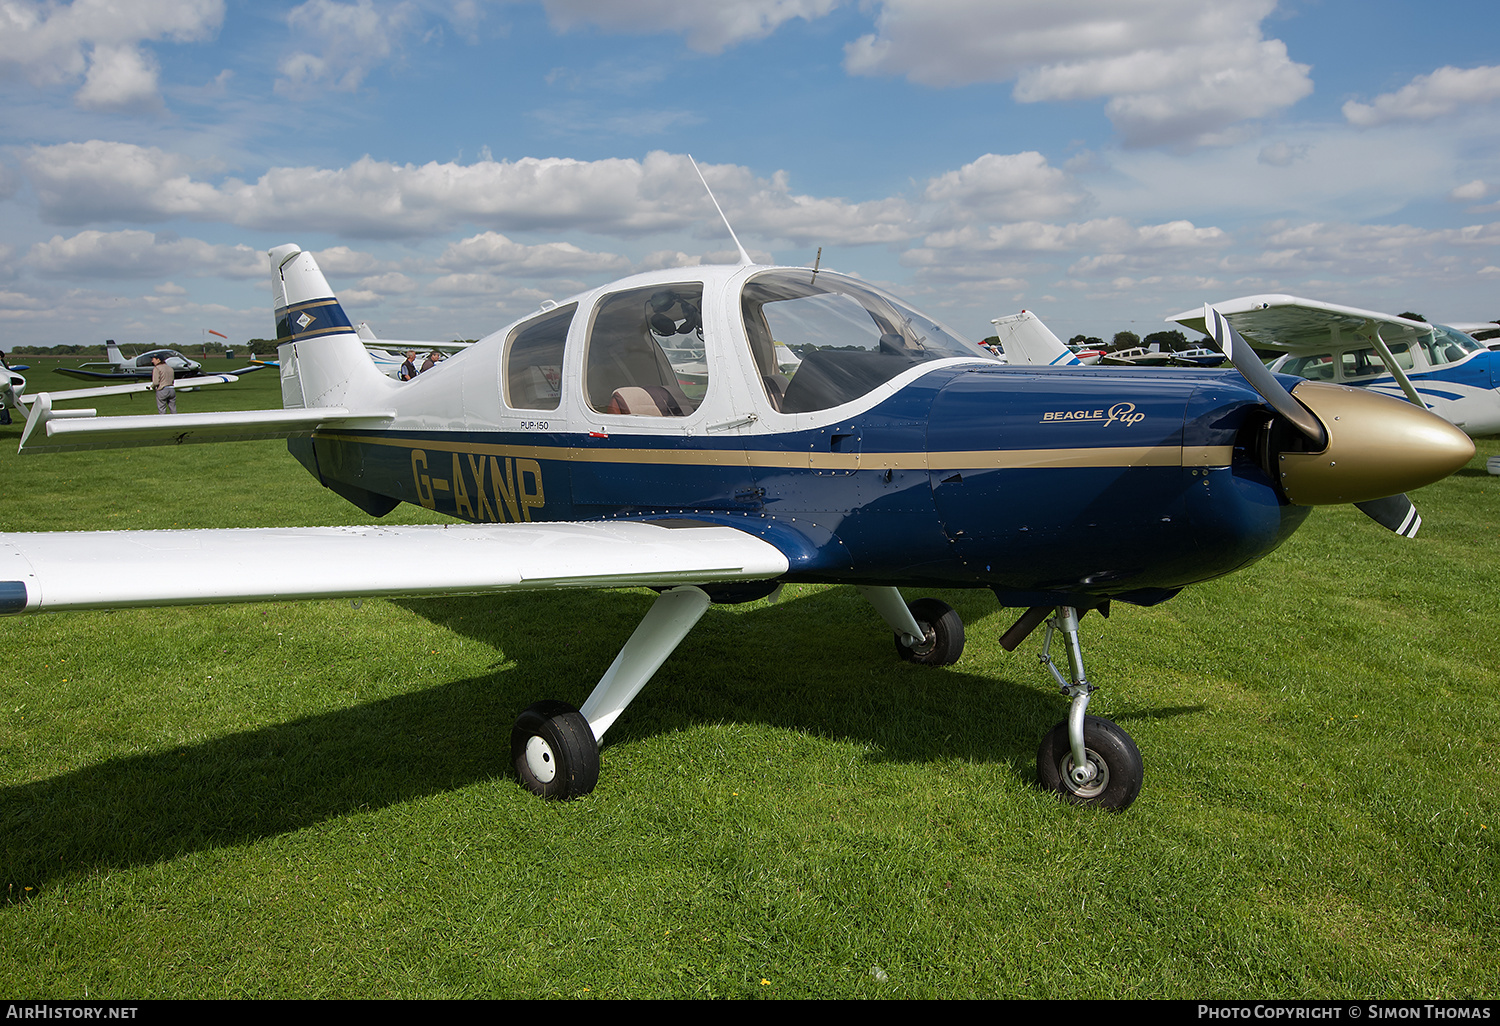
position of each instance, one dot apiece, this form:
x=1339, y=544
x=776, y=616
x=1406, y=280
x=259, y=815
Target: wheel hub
x=929, y=639
x=1088, y=781
x=540, y=761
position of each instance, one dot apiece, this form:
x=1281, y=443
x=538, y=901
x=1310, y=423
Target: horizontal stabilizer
x=49, y=430
x=112, y=569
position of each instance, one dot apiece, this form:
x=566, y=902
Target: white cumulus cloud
x=141, y=254
x=78, y=183
x=1173, y=71
x=1428, y=96
x=1005, y=187
x=343, y=41
x=51, y=44
x=120, y=78
x=1470, y=191
x=709, y=26
x=491, y=251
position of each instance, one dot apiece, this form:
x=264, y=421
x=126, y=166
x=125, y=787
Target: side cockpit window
x=850, y=338
x=533, y=361
x=646, y=352
x=1447, y=345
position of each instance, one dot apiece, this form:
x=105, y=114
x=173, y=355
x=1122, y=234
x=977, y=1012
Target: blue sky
x=1104, y=163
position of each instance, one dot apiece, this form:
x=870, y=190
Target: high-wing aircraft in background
x=897, y=455
x=1433, y=365
x=388, y=354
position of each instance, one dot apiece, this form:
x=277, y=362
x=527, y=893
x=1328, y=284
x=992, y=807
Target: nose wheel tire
x=943, y=634
x=554, y=751
x=1113, y=756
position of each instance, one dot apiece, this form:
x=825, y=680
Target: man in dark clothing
x=409, y=368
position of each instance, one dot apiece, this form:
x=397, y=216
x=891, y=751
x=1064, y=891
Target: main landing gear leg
x=928, y=632
x=555, y=748
x=1087, y=760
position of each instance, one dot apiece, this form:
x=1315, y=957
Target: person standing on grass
x=161, y=384
x=4, y=410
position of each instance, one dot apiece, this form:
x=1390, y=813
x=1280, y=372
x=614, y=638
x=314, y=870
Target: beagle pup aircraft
x=644, y=434
x=1433, y=365
x=123, y=368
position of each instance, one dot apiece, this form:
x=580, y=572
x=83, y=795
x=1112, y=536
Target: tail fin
x=1027, y=340
x=323, y=362
x=112, y=352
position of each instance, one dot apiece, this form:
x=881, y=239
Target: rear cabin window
x=533, y=360
x=645, y=352
x=1365, y=363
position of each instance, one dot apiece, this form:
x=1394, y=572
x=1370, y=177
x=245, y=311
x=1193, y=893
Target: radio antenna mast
x=744, y=257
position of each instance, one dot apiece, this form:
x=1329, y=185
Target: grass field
x=313, y=800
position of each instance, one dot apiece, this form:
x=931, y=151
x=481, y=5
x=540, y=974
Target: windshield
x=850, y=337
x=1448, y=345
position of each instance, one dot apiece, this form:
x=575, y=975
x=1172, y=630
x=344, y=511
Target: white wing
x=1303, y=325
x=111, y=569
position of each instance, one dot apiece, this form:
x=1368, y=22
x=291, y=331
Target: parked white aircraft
x=1433, y=365
x=14, y=396
x=122, y=367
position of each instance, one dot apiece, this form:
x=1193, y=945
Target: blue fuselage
x=1046, y=485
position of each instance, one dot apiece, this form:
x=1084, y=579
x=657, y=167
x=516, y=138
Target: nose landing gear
x=1085, y=759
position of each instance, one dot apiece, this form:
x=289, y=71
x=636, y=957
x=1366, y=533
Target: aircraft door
x=647, y=374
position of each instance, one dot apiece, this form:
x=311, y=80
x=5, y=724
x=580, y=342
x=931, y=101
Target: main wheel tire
x=554, y=751
x=943, y=631
x=1110, y=749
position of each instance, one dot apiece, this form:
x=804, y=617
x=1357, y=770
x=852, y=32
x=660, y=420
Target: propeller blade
x=1262, y=380
x=1394, y=512
x=1362, y=447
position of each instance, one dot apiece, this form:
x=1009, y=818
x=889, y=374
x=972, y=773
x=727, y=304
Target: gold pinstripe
x=981, y=459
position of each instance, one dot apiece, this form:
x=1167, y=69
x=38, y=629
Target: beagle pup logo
x=1119, y=413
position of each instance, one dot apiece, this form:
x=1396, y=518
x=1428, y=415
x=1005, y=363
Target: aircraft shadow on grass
x=285, y=777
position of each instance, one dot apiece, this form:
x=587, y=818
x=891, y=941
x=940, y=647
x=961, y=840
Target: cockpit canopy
x=167, y=355
x=644, y=350
x=851, y=337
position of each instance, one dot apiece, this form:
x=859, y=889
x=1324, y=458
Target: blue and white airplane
x=1433, y=365
x=125, y=368
x=644, y=434
x=13, y=394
